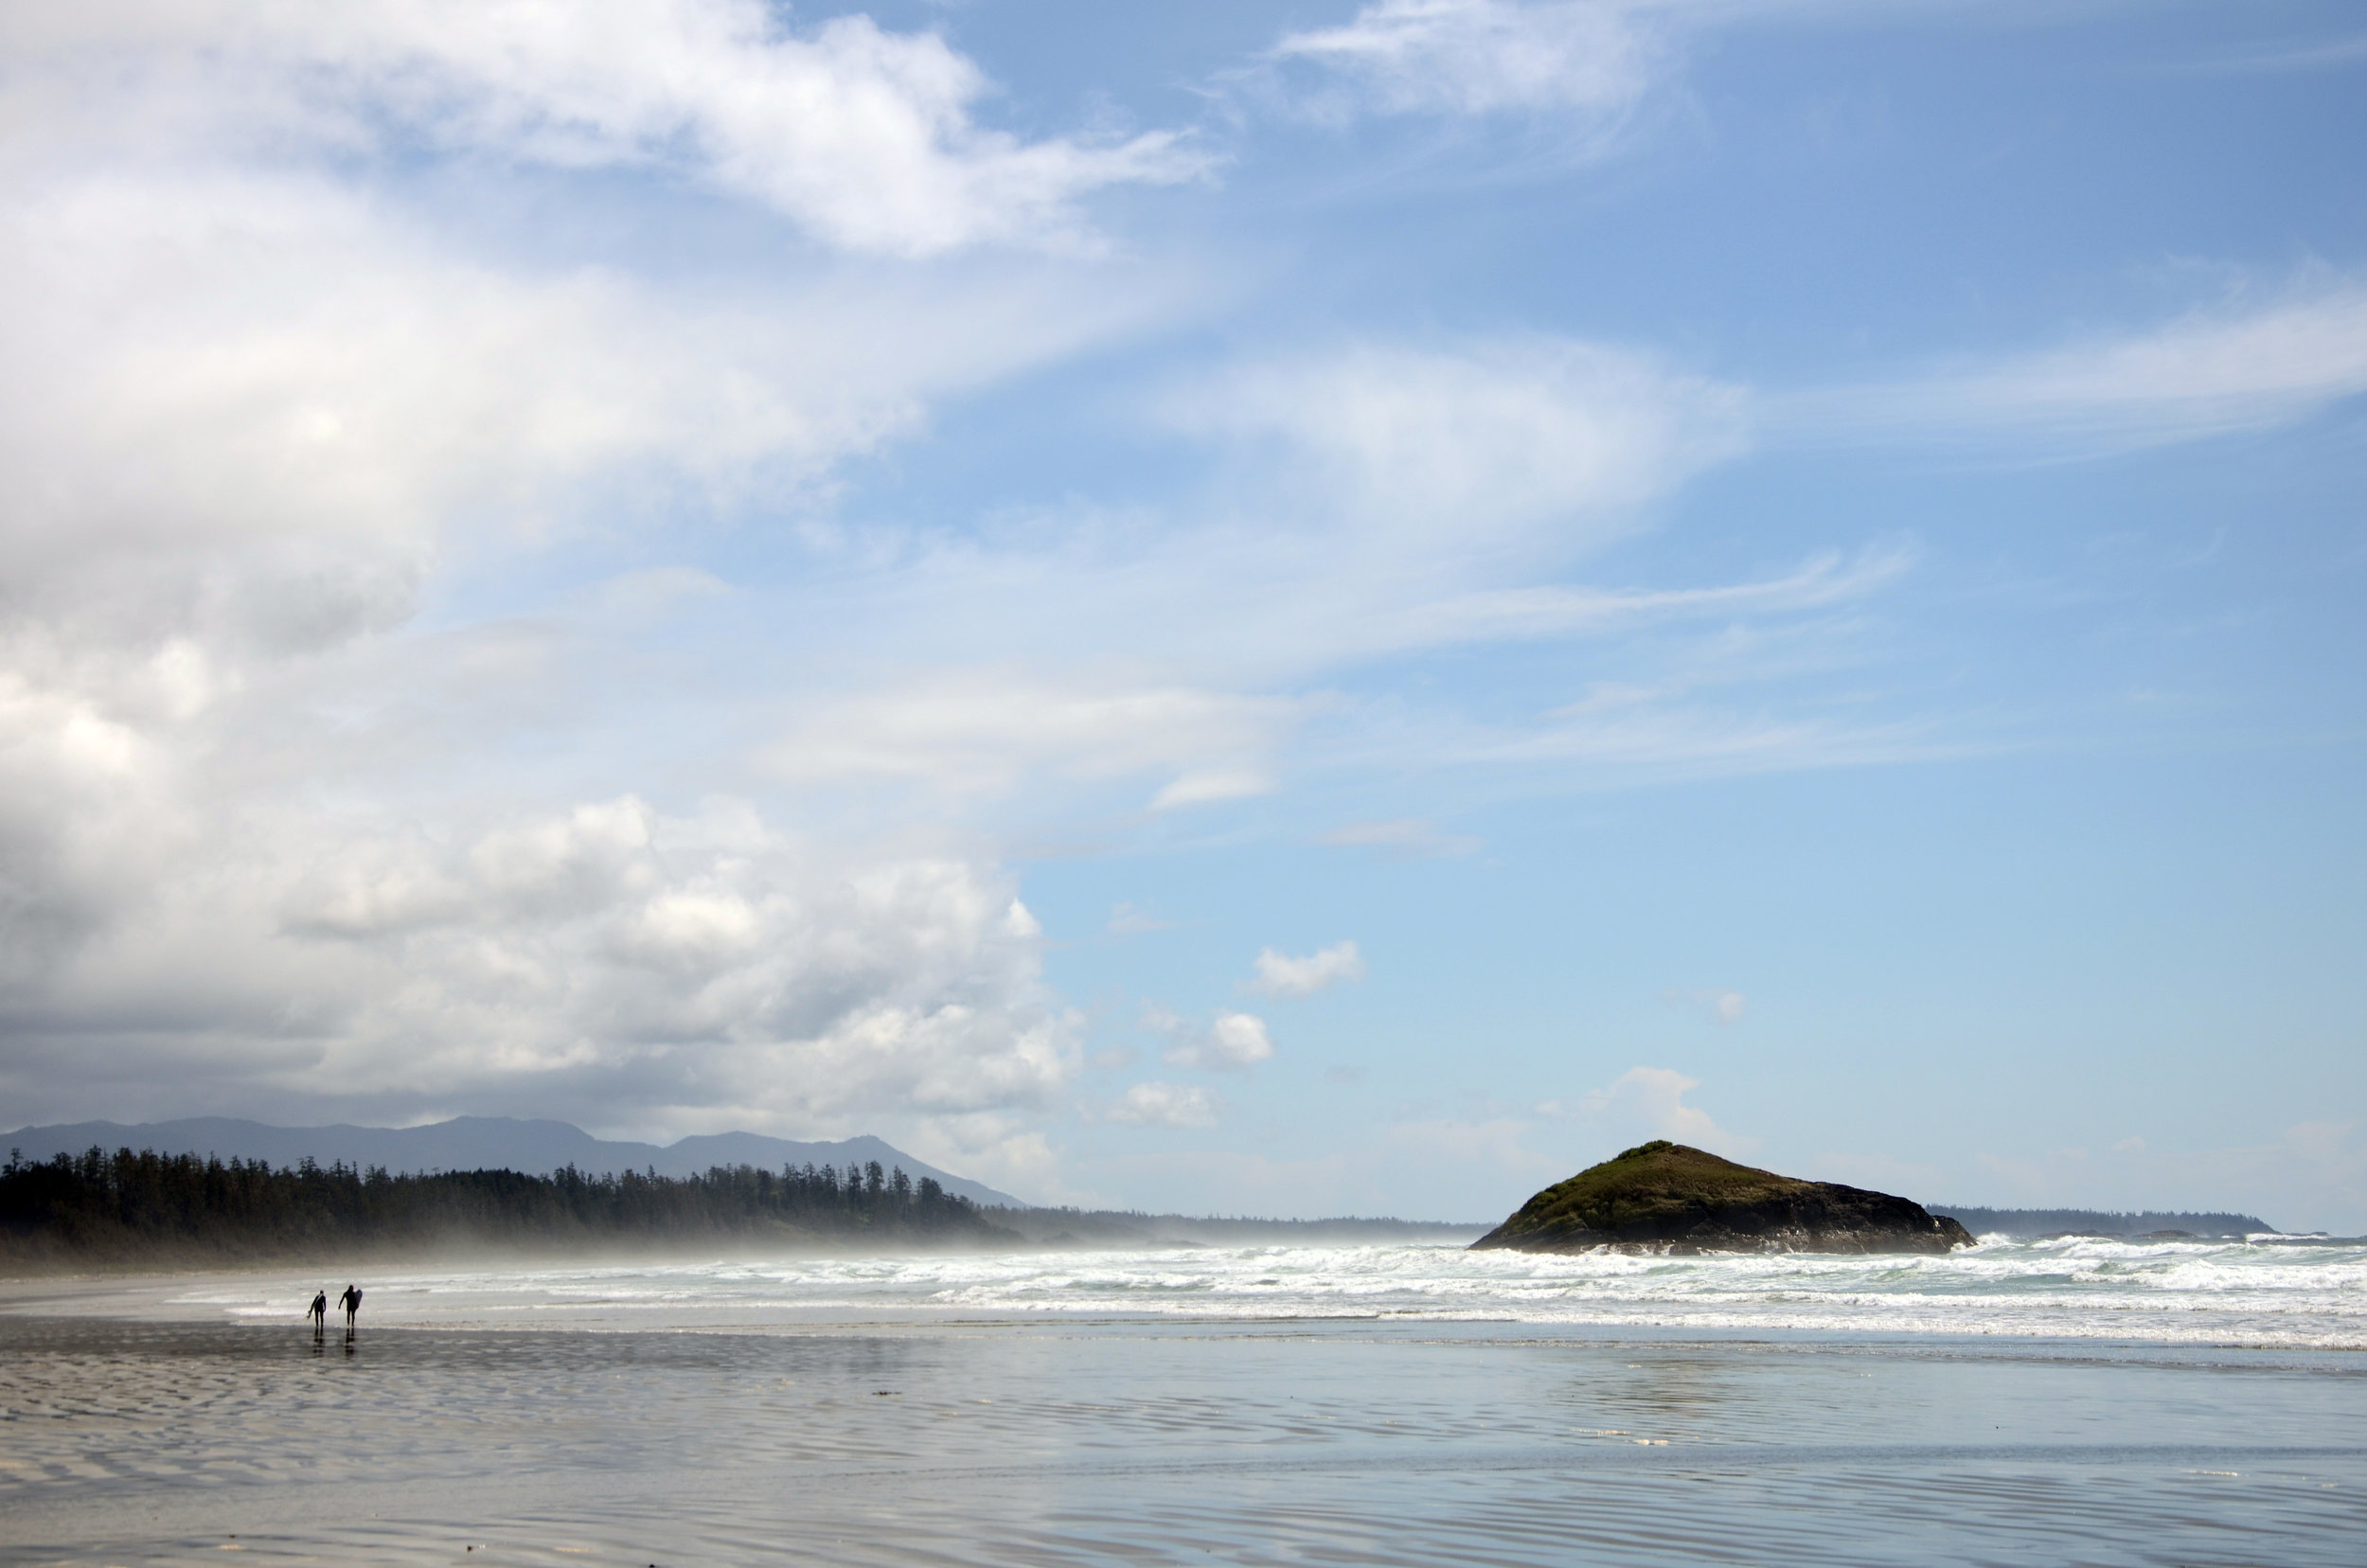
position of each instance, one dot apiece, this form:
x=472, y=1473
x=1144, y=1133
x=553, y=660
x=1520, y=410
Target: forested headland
x=148, y=1209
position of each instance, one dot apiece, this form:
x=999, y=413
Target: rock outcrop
x=1665, y=1197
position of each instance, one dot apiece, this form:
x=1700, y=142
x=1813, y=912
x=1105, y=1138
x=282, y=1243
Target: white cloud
x=1127, y=920
x=1374, y=500
x=994, y=1147
x=1651, y=1100
x=263, y=843
x=1484, y=444
x=1672, y=729
x=2213, y=372
x=1162, y=1105
x=251, y=830
x=1593, y=60
x=1206, y=786
x=1716, y=1003
x=866, y=137
x=1280, y=975
x=253, y=408
x=1553, y=610
x=717, y=971
x=984, y=730
x=1232, y=1042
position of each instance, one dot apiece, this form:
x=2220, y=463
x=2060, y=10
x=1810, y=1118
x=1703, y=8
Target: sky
x=1276, y=609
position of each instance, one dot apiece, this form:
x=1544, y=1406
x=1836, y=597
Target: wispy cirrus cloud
x=866, y=137
x=2216, y=371
x=1476, y=446
x=1408, y=837
x=1595, y=59
x=984, y=729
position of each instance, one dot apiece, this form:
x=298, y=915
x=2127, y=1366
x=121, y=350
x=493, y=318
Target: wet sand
x=1125, y=1441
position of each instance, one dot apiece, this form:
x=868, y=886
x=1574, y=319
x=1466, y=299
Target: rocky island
x=1666, y=1197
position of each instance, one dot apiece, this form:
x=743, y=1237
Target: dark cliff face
x=1664, y=1196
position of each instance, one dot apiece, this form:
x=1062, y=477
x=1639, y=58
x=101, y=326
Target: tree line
x=125, y=1205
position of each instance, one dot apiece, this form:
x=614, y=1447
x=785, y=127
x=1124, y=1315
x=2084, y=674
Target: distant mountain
x=477, y=1142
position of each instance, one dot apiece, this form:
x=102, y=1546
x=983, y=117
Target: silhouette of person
x=320, y=1311
x=351, y=1302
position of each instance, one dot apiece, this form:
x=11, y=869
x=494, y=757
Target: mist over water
x=2282, y=1291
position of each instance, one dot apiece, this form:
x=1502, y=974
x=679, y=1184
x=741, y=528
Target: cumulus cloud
x=264, y=841
x=1279, y=975
x=1594, y=60
x=706, y=966
x=1231, y=1042
x=865, y=136
x=1162, y=1105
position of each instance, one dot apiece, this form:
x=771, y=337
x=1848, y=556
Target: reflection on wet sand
x=1090, y=1442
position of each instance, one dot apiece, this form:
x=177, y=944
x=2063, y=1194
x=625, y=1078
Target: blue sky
x=1286, y=610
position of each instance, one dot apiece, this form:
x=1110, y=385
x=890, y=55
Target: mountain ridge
x=534, y=1146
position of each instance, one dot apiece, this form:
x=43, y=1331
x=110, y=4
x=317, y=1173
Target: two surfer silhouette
x=318, y=1311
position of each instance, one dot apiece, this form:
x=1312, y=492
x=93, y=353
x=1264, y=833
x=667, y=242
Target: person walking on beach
x=351, y=1302
x=319, y=1310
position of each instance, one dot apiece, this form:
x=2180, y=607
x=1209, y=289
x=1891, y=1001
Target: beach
x=877, y=1413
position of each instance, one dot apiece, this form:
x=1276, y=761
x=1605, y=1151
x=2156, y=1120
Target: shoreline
x=2182, y=1297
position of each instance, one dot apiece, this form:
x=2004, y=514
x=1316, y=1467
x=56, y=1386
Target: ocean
x=2073, y=1402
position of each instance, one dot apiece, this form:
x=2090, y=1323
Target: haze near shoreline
x=541, y=1146
x=482, y=1142
x=91, y=1207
